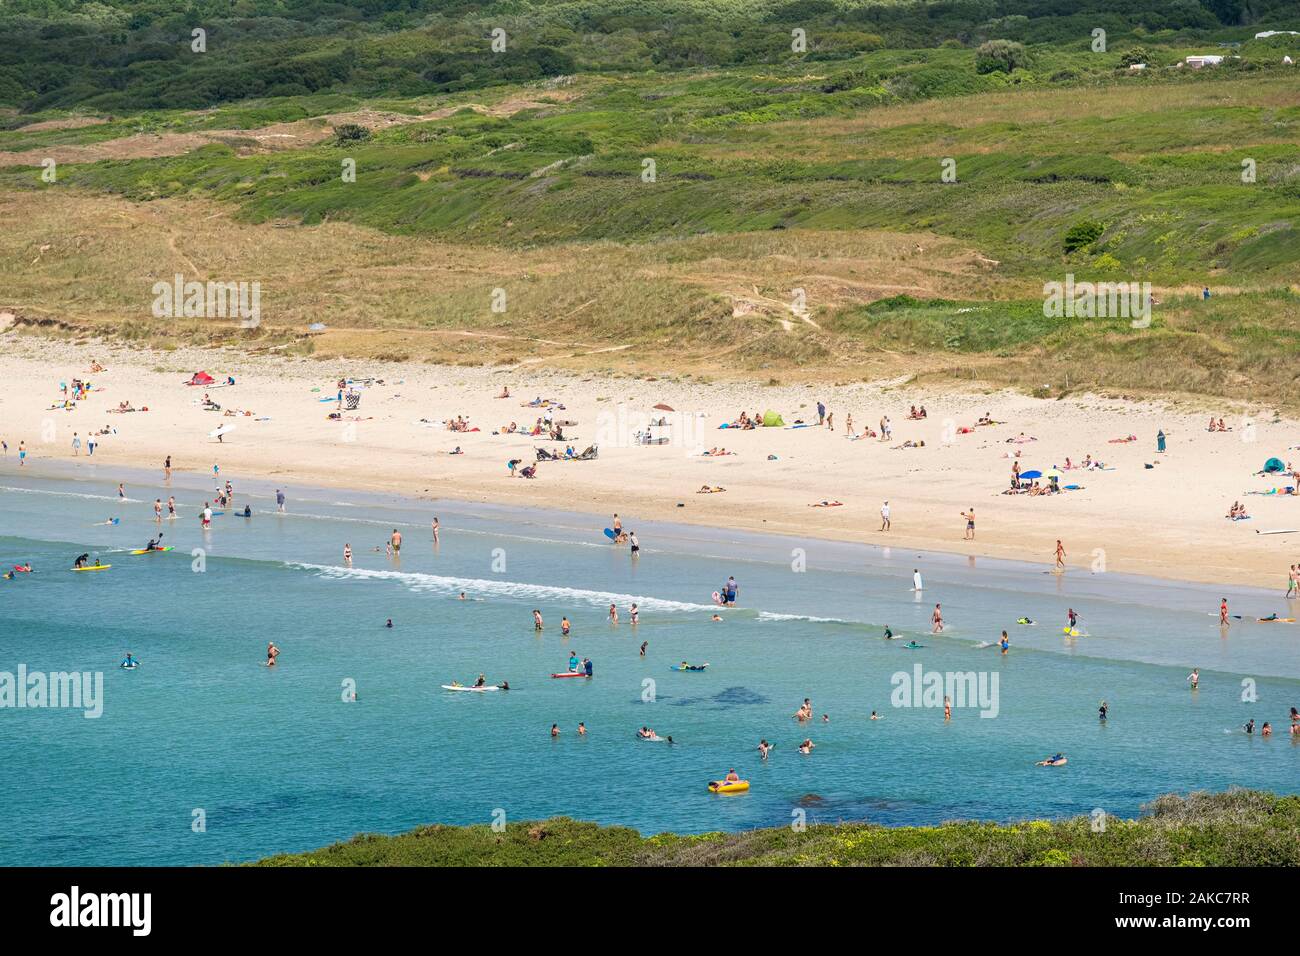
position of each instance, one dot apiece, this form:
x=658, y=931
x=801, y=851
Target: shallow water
x=277, y=761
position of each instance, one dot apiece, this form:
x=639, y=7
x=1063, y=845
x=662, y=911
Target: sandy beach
x=1167, y=520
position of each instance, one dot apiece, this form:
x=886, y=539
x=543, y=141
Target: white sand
x=1167, y=521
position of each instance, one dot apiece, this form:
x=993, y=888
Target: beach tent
x=772, y=420
x=1274, y=465
x=201, y=378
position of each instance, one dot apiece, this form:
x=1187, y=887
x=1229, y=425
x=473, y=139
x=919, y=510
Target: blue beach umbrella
x=1031, y=475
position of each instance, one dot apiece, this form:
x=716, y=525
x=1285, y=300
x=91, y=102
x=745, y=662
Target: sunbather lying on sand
x=706, y=490
x=827, y=504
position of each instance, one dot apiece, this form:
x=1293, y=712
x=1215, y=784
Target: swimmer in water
x=1102, y=711
x=912, y=645
x=764, y=748
x=390, y=623
x=129, y=662
x=874, y=716
x=613, y=614
x=1194, y=678
x=1005, y=643
x=582, y=729
x=645, y=644
x=717, y=617
x=564, y=626
x=806, y=747
x=555, y=730
x=462, y=596
x=537, y=620
x=937, y=618
x=1053, y=761
x=272, y=652
x=1024, y=620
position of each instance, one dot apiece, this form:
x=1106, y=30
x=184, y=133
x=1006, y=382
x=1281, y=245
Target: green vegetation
x=1238, y=828
x=671, y=172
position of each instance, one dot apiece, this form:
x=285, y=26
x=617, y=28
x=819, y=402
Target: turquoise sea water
x=277, y=761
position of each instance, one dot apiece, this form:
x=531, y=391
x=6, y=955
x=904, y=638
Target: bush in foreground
x=1237, y=828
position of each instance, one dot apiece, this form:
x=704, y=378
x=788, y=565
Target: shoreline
x=1104, y=526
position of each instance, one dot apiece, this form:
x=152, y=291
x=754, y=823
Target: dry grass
x=89, y=262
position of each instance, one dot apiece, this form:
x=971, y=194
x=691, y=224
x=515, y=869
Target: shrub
x=1001, y=56
x=350, y=133
x=1082, y=234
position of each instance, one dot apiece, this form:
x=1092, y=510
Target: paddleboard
x=221, y=430
x=1279, y=531
x=477, y=690
x=609, y=533
x=1275, y=620
x=154, y=551
x=571, y=674
x=693, y=667
x=22, y=570
x=93, y=567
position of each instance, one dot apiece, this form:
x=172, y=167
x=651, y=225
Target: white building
x=1209, y=59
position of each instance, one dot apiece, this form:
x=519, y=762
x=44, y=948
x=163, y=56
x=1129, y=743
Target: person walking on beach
x=1060, y=555
x=279, y=500
x=167, y=468
x=1160, y=442
x=970, y=523
x=636, y=545
x=821, y=414
x=76, y=445
x=22, y=454
x=937, y=619
x=1291, y=582
x=884, y=516
x=1223, y=613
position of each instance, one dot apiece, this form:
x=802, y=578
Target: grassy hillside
x=1238, y=828
x=773, y=171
